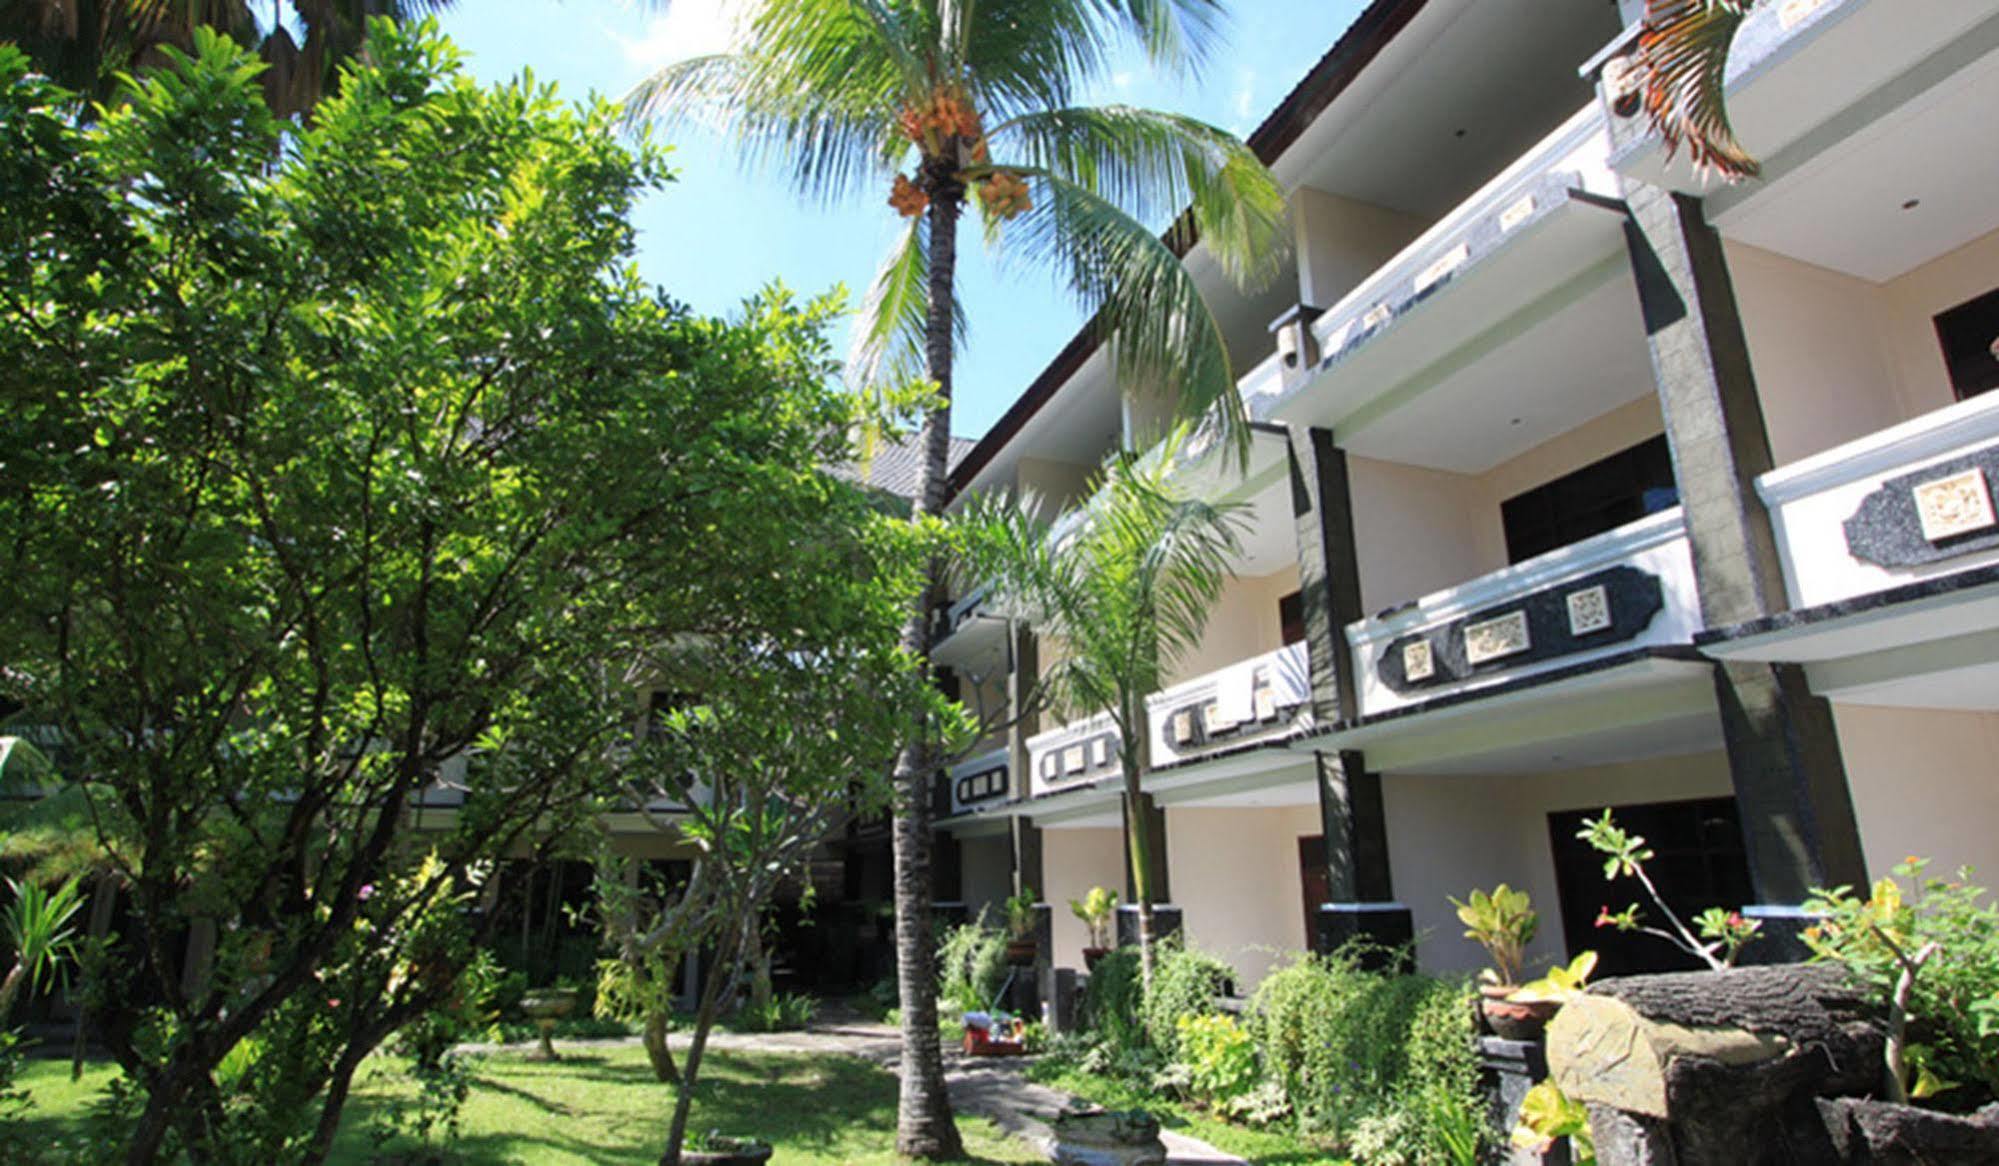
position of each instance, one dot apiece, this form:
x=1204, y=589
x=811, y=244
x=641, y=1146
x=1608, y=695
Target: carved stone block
x=1954, y=505
x=1589, y=610
x=1492, y=639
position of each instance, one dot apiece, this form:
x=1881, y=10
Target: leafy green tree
x=945, y=104
x=1124, y=587
x=342, y=457
x=85, y=44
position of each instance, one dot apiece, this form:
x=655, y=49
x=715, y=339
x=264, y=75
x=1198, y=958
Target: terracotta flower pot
x=1093, y=956
x=1515, y=1019
x=1021, y=952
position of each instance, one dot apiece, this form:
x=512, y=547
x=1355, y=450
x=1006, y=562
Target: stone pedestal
x=1507, y=1070
x=1165, y=922
x=1385, y=929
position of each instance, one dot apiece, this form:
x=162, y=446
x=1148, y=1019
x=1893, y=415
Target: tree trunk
x=658, y=1052
x=726, y=955
x=924, y=1125
x=1139, y=844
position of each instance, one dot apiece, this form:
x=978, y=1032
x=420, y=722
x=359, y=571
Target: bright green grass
x=601, y=1106
x=1261, y=1147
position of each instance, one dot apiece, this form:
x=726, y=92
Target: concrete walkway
x=990, y=1087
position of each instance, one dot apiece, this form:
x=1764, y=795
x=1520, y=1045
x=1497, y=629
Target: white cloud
x=688, y=28
x=1121, y=80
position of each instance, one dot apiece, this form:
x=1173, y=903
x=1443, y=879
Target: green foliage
x=1562, y=982
x=971, y=968
x=371, y=422
x=1360, y=1055
x=14, y=1103
x=1220, y=1058
x=1953, y=1000
x=783, y=1012
x=1096, y=909
x=1114, y=1000
x=1020, y=912
x=1503, y=923
x=1185, y=983
x=1548, y=1115
x=1723, y=933
x=425, y=1115
x=37, y=925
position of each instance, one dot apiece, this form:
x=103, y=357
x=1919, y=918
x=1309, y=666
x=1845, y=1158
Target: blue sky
x=719, y=233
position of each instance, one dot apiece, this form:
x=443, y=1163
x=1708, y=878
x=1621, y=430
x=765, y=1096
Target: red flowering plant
x=1717, y=936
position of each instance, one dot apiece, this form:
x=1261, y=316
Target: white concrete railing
x=1486, y=622
x=1255, y=699
x=1073, y=754
x=1932, y=496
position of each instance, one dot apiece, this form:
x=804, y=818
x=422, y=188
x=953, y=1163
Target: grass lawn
x=601, y=1105
x=1261, y=1147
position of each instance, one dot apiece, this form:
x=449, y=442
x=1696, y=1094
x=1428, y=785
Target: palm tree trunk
x=924, y=1125
x=1138, y=841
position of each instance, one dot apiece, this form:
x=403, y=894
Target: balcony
x=1890, y=548
x=1072, y=756
x=978, y=783
x=1622, y=591
x=1261, y=699
x=1545, y=223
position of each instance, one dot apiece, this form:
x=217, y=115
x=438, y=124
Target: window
x=1699, y=863
x=1969, y=334
x=1605, y=495
x=1291, y=618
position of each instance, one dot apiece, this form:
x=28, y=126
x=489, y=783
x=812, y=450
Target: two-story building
x=1577, y=483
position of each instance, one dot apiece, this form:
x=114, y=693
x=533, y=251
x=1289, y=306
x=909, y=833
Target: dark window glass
x=1699, y=863
x=1969, y=334
x=1605, y=495
x=1291, y=617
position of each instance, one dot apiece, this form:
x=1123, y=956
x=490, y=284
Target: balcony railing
x=1258, y=699
x=1361, y=339
x=1628, y=588
x=1911, y=502
x=978, y=782
x=1073, y=754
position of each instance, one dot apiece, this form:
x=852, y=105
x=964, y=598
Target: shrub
x=1184, y=983
x=1219, y=1056
x=1113, y=1002
x=971, y=967
x=1366, y=1057
x=783, y=1012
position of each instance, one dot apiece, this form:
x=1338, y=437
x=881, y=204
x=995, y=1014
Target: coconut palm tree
x=84, y=44
x=943, y=103
x=1126, y=593
x=1681, y=62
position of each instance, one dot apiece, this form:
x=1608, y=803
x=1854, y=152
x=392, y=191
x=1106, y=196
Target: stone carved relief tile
x=1516, y=214
x=1954, y=505
x=1494, y=638
x=1212, y=719
x=1419, y=660
x=1589, y=610
x=1183, y=727
x=1074, y=758
x=1100, y=751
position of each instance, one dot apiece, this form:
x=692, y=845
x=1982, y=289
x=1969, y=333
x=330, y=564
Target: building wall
x=1072, y=861
x=1342, y=241
x=1448, y=835
x=1236, y=881
x=1244, y=623
x=1056, y=485
x=986, y=873
x=1836, y=357
x=1923, y=783
x=1420, y=531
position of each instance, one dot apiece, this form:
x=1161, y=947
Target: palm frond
x=1682, y=63
x=1037, y=54
x=1154, y=165
x=888, y=335
x=1147, y=308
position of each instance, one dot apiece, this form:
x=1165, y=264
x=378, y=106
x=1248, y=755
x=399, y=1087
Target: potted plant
x=1096, y=909
x=1020, y=946
x=715, y=1149
x=1504, y=922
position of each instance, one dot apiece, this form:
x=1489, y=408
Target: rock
x=1099, y=1137
x=1881, y=1133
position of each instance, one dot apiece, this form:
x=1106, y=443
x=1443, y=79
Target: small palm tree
x=84, y=44
x=942, y=103
x=36, y=927
x=1681, y=62
x=1126, y=595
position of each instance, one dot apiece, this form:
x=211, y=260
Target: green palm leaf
x=1682, y=62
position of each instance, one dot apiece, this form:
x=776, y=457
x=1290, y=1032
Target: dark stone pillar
x=1350, y=801
x=1026, y=840
x=947, y=870
x=1783, y=750
x=1507, y=1070
x=1166, y=922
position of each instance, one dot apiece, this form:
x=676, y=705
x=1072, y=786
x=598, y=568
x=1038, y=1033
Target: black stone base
x=1781, y=938
x=1385, y=932
x=1165, y=922
x=1507, y=1070
x=946, y=915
